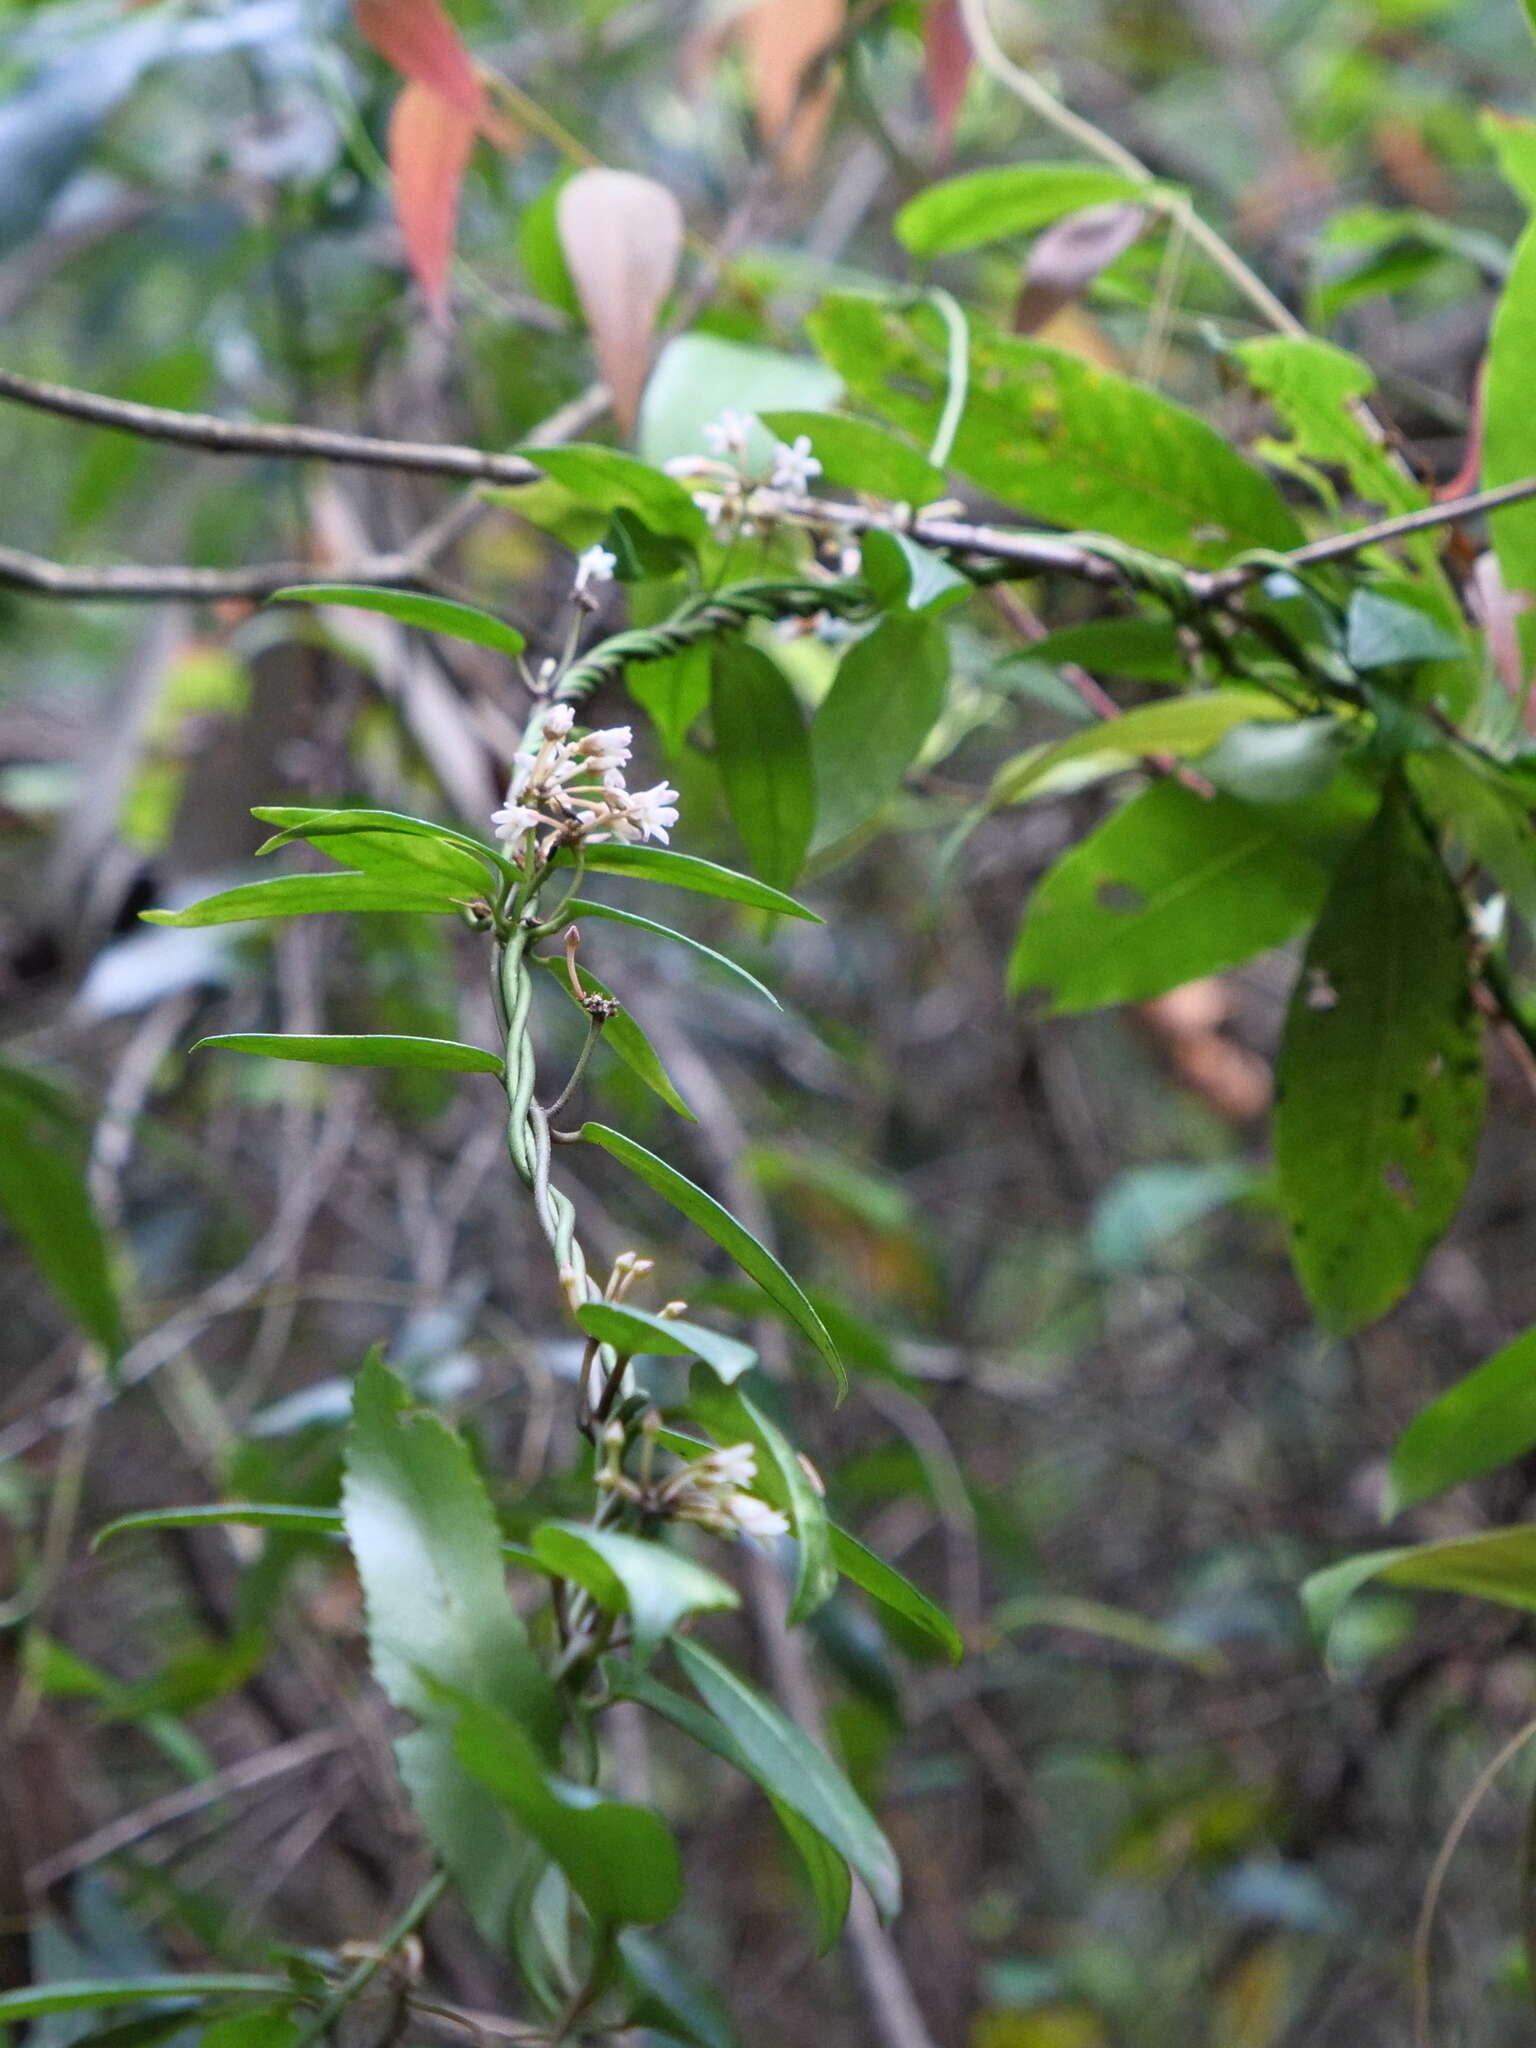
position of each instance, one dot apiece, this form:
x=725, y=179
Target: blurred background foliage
x=1091, y=1409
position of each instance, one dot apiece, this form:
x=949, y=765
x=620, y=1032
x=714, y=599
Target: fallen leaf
x=947, y=61
x=430, y=139
x=417, y=37
x=622, y=239
x=781, y=38
x=1069, y=255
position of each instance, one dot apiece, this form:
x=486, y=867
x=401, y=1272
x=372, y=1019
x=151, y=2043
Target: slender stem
x=959, y=380
x=594, y=1033
x=358, y=1979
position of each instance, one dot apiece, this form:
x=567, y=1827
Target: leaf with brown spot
x=420, y=40
x=1067, y=258
x=782, y=38
x=622, y=238
x=430, y=140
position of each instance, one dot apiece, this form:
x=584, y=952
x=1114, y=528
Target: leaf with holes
x=1379, y=1083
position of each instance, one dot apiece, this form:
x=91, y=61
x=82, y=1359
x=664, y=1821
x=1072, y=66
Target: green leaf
x=1509, y=426
x=1499, y=1565
x=655, y=1586
x=687, y=871
x=908, y=577
x=882, y=1582
x=1143, y=650
x=885, y=698
x=718, y=1223
x=672, y=1997
x=242, y=1514
x=1381, y=633
x=1174, y=886
x=1486, y=1420
x=439, y=1055
x=1281, y=762
x=265, y=2029
x=861, y=456
x=1059, y=438
x=620, y=1859
x=789, y=1765
x=308, y=896
x=45, y=1200
x=831, y=1881
x=781, y=1480
x=989, y=206
x=606, y=480
x=1317, y=390
x=764, y=759
x=296, y=821
x=698, y=376
x=1183, y=726
x=1379, y=1082
x=636, y=1334
x=89, y=1993
x=1512, y=138
x=671, y=692
x=412, y=608
x=1486, y=811
x=622, y=1034
x=581, y=907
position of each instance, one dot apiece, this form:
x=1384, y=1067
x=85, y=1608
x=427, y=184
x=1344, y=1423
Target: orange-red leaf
x=947, y=61
x=430, y=139
x=781, y=38
x=417, y=37
x=622, y=238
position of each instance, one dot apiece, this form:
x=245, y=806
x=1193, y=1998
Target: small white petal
x=595, y=566
x=516, y=819
x=559, y=718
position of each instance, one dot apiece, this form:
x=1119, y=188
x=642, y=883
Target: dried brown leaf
x=1069, y=255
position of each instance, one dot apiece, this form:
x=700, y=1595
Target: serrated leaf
x=988, y=206
x=637, y=1334
x=622, y=239
x=861, y=456
x=1174, y=886
x=444, y=615
x=794, y=1770
x=687, y=871
x=732, y=1237
x=1059, y=438
x=782, y=1481
x=45, y=1200
x=1185, y=727
x=438, y=1055
x=1498, y=1565
x=1486, y=1420
x=882, y=1582
x=581, y=907
x=620, y=1859
x=308, y=896
x=764, y=759
x=1379, y=1082
x=623, y=1034
x=885, y=698
x=655, y=1586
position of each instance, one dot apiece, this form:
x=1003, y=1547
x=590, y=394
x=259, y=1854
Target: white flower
x=559, y=718
x=712, y=1492
x=755, y=1518
x=595, y=566
x=794, y=465
x=712, y=505
x=728, y=434
x=653, y=812
x=736, y=1465
x=609, y=750
x=516, y=819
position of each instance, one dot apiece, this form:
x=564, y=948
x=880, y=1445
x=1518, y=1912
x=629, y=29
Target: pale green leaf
x=1016, y=199
x=1185, y=727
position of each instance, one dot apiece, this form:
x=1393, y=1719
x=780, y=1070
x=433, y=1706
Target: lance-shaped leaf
x=882, y=1582
x=311, y=896
x=289, y=1517
x=421, y=42
x=375, y=1049
x=829, y=1875
x=622, y=237
x=430, y=143
x=606, y=480
x=732, y=1237
x=636, y=1334
x=1486, y=1420
x=764, y=759
x=687, y=871
x=91, y=1993
x=623, y=1034
x=620, y=1859
x=1379, y=1083
x=1498, y=1565
x=45, y=1199
x=781, y=1480
x=297, y=822
x=987, y=206
x=789, y=1764
x=443, y=615
x=1183, y=726
x=581, y=907
x=655, y=1586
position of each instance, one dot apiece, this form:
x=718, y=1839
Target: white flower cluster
x=729, y=494
x=712, y=1491
x=572, y=789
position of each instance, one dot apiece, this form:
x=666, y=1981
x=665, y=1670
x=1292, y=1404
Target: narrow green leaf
x=831, y=1881
x=88, y=1993
x=619, y=1858
x=885, y=698
x=1498, y=1565
x=295, y=821
x=1183, y=726
x=788, y=1764
x=1379, y=1083
x=581, y=907
x=240, y=1514
x=623, y=1035
x=718, y=1223
x=782, y=1481
x=698, y=375
x=764, y=759
x=438, y=1055
x=265, y=2029
x=1509, y=429
x=882, y=1582
x=1486, y=1420
x=308, y=896
x=687, y=871
x=654, y=1585
x=45, y=1200
x=412, y=608
x=633, y=1332
x=989, y=206
x=1174, y=886
x=861, y=456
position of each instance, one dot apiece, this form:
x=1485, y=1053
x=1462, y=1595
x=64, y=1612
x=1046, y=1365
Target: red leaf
x=417, y=37
x=622, y=238
x=430, y=139
x=947, y=61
